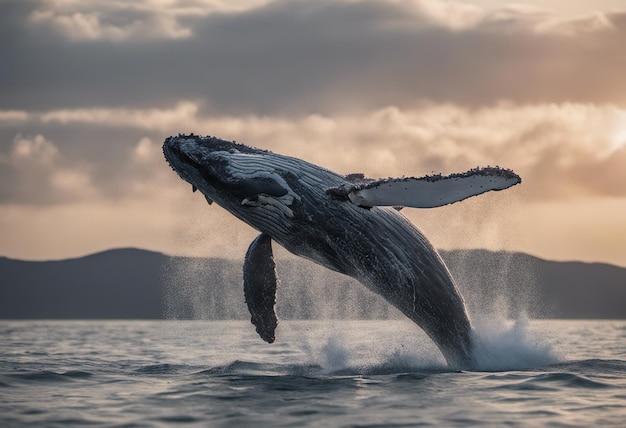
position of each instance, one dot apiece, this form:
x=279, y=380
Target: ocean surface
x=318, y=373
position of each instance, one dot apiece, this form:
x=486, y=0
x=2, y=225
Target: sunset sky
x=90, y=89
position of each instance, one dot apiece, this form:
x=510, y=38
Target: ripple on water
x=160, y=369
x=617, y=366
x=51, y=376
x=551, y=381
x=177, y=419
x=568, y=380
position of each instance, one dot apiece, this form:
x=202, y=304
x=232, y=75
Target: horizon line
x=282, y=257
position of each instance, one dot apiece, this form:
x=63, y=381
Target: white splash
x=503, y=345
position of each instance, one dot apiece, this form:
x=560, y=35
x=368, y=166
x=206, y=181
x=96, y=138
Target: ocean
x=331, y=373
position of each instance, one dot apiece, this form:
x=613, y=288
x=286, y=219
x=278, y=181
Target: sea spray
x=337, y=347
x=336, y=354
x=324, y=345
x=503, y=345
x=500, y=291
x=351, y=347
x=203, y=288
x=496, y=291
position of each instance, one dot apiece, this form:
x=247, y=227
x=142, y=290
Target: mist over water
x=213, y=289
x=501, y=345
x=502, y=333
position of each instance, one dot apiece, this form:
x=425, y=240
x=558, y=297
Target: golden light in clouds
x=570, y=204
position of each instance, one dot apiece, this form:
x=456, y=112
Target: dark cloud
x=300, y=57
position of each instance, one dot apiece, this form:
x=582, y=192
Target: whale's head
x=235, y=176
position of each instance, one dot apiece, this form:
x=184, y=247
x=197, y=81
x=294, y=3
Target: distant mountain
x=114, y=284
x=138, y=284
x=544, y=289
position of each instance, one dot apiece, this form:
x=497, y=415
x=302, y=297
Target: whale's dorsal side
x=259, y=286
x=426, y=192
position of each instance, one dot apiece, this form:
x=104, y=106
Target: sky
x=89, y=91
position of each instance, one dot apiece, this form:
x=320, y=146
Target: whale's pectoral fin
x=264, y=189
x=259, y=286
x=427, y=192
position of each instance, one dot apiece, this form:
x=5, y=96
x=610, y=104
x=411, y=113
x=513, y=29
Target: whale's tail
x=458, y=346
x=414, y=278
x=444, y=318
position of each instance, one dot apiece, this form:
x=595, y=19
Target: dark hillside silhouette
x=138, y=284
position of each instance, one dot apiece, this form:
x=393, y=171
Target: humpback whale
x=346, y=223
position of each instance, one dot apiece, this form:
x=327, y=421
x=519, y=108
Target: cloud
x=157, y=19
x=563, y=151
x=37, y=149
x=80, y=26
x=153, y=118
x=34, y=172
x=596, y=22
x=9, y=116
x=118, y=22
x=302, y=57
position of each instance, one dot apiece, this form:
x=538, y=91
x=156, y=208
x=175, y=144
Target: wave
x=617, y=367
x=50, y=376
x=547, y=381
x=241, y=367
x=160, y=369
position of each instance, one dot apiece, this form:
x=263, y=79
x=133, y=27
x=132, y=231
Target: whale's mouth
x=190, y=161
x=175, y=156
